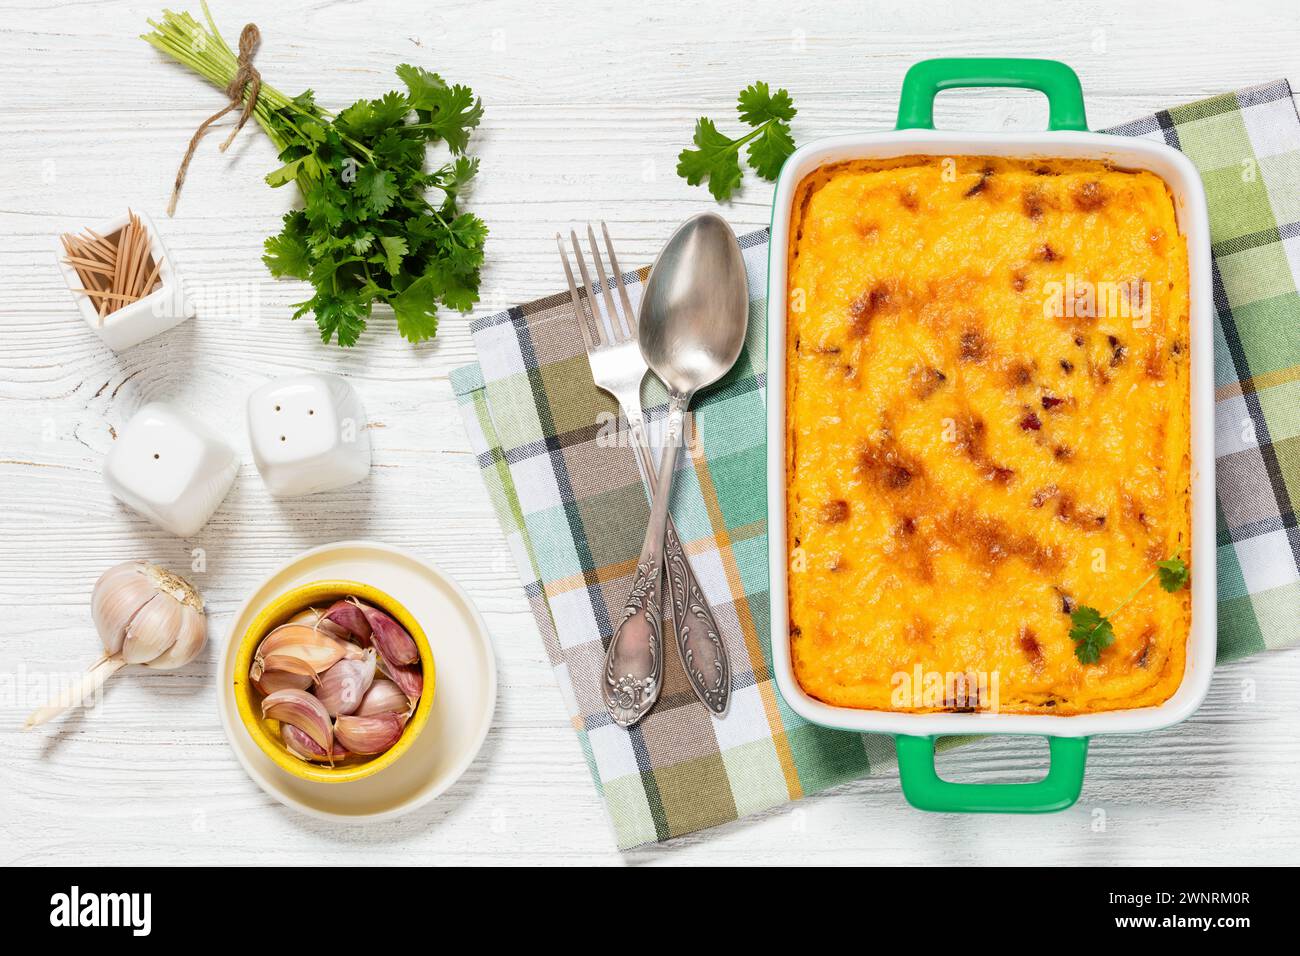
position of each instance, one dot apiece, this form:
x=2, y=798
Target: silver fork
x=634, y=675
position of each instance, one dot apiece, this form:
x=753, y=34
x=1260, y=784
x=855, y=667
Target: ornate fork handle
x=634, y=661
x=703, y=654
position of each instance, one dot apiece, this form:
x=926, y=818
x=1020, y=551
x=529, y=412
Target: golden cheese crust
x=987, y=425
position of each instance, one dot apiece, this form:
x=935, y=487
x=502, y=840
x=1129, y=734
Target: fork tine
x=619, y=328
x=597, y=325
x=578, y=311
x=628, y=313
x=590, y=289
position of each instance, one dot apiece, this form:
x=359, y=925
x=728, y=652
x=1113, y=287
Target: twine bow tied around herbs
x=245, y=77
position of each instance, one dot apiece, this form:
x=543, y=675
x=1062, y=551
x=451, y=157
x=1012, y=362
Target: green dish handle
x=925, y=790
x=925, y=80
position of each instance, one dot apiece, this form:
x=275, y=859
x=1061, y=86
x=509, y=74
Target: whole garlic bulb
x=144, y=615
x=148, y=615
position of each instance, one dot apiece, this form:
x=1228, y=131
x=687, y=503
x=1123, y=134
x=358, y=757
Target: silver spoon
x=693, y=315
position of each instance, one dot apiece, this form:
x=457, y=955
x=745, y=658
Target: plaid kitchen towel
x=570, y=499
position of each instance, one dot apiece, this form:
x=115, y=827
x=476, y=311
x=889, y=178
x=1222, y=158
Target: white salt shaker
x=308, y=434
x=133, y=323
x=171, y=468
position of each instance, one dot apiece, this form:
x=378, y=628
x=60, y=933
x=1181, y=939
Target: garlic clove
x=300, y=745
x=301, y=649
x=390, y=638
x=334, y=630
x=119, y=594
x=409, y=677
x=349, y=616
x=302, y=710
x=383, y=697
x=191, y=635
x=270, y=681
x=343, y=685
x=314, y=618
x=153, y=630
x=369, y=735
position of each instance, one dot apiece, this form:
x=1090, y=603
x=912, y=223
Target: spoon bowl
x=695, y=308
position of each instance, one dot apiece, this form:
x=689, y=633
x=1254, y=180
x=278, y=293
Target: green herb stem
x=1136, y=591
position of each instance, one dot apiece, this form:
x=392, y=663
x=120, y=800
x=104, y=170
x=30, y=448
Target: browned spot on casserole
x=971, y=346
x=1029, y=644
x=1019, y=373
x=867, y=306
x=1043, y=495
x=835, y=512
x=926, y=380
x=886, y=465
x=1031, y=204
x=1088, y=196
x=979, y=185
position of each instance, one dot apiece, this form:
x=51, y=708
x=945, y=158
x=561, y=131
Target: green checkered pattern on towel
x=572, y=504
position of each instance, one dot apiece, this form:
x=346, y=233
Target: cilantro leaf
x=421, y=84
x=287, y=253
x=307, y=165
x=757, y=105
x=337, y=316
x=394, y=248
x=323, y=206
x=398, y=151
x=768, y=153
x=416, y=309
x=468, y=230
x=453, y=112
x=770, y=143
x=1174, y=574
x=714, y=160
x=1092, y=632
x=376, y=188
x=457, y=288
x=459, y=173
x=368, y=118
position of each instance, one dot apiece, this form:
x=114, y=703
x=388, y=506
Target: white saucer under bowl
x=462, y=704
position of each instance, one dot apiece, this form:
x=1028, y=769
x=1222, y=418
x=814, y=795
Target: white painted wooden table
x=584, y=119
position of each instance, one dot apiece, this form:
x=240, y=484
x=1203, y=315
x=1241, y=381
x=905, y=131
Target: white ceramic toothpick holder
x=171, y=468
x=308, y=434
x=164, y=308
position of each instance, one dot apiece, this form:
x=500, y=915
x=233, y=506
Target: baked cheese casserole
x=987, y=428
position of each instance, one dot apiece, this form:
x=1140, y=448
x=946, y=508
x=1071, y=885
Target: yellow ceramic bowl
x=266, y=733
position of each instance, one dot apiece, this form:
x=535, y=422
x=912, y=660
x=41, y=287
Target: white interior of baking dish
x=1193, y=220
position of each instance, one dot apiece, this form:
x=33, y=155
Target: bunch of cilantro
x=375, y=226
